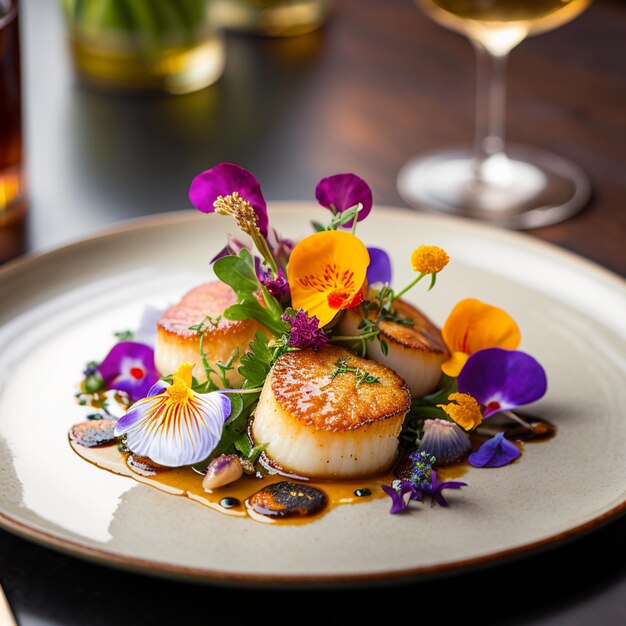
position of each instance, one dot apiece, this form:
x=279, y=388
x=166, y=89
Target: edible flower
x=341, y=192
x=174, y=425
x=495, y=452
x=379, y=269
x=327, y=274
x=304, y=331
x=129, y=367
x=472, y=326
x=426, y=260
x=502, y=380
x=445, y=441
x=429, y=259
x=464, y=410
x=418, y=479
x=276, y=284
x=228, y=189
x=435, y=491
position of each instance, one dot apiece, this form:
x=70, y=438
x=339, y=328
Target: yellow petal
x=473, y=325
x=454, y=365
x=326, y=264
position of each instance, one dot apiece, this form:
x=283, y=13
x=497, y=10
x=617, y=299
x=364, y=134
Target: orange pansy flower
x=472, y=326
x=327, y=273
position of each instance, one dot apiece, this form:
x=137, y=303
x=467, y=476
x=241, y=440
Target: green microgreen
x=361, y=376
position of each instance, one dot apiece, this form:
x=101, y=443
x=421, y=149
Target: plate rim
x=105, y=557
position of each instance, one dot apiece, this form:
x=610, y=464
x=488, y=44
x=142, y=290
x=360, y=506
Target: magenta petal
x=343, y=191
x=495, y=452
x=222, y=180
x=379, y=269
x=502, y=380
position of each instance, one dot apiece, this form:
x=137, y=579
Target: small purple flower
x=278, y=287
x=379, y=269
x=401, y=494
x=129, y=367
x=344, y=191
x=435, y=489
x=495, y=452
x=223, y=180
x=502, y=380
x=304, y=331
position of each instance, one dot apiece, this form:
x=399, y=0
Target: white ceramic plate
x=59, y=310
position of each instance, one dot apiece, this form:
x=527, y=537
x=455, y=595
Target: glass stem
x=490, y=109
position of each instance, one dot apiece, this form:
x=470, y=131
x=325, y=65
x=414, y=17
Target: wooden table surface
x=378, y=85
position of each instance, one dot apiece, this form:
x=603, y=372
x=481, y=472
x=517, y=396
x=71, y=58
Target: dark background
x=379, y=84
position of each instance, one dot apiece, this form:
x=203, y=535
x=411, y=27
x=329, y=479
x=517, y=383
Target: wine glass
x=516, y=187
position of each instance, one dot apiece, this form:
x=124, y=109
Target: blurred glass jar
x=274, y=18
x=145, y=45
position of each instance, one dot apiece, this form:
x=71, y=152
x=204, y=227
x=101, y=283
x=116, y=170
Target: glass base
x=529, y=189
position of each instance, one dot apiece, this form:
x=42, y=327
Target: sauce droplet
x=229, y=503
x=363, y=493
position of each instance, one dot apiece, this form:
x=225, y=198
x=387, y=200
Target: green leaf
x=238, y=272
x=257, y=362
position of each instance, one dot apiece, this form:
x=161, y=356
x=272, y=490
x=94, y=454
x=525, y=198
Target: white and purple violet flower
x=174, y=425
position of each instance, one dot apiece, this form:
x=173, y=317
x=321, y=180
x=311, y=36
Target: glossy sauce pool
x=185, y=482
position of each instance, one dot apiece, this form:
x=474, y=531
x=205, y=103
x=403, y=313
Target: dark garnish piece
x=143, y=466
x=287, y=499
x=538, y=431
x=93, y=433
x=363, y=493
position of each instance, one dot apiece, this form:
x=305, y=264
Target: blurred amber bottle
x=274, y=18
x=139, y=45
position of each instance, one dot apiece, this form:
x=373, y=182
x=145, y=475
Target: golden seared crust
x=207, y=299
x=422, y=335
x=304, y=387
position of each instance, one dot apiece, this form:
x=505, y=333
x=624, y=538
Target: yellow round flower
x=326, y=274
x=466, y=412
x=429, y=259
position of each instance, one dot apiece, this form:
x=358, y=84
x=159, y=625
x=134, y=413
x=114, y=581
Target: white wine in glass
x=512, y=186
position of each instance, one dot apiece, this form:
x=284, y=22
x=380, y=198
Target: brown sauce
x=234, y=499
x=183, y=481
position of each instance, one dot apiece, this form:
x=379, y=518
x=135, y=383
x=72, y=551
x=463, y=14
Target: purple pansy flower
x=379, y=269
x=304, y=331
x=223, y=180
x=344, y=191
x=495, y=452
x=174, y=425
x=129, y=367
x=502, y=380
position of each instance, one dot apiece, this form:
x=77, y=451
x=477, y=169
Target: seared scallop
x=177, y=343
x=330, y=414
x=415, y=350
